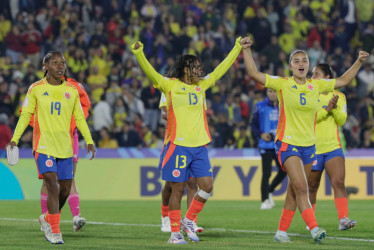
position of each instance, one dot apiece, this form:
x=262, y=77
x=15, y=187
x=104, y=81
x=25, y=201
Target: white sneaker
x=44, y=225
x=165, y=224
x=271, y=201
x=281, y=236
x=318, y=234
x=78, y=223
x=265, y=205
x=54, y=238
x=177, y=238
x=187, y=227
x=197, y=228
x=345, y=223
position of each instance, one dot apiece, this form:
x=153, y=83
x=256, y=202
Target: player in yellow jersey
x=191, y=185
x=53, y=101
x=295, y=137
x=329, y=151
x=187, y=133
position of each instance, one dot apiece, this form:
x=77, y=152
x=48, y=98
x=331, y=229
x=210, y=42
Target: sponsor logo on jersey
x=324, y=106
x=183, y=88
x=49, y=163
x=45, y=93
x=294, y=86
x=67, y=95
x=310, y=86
x=314, y=162
x=197, y=88
x=176, y=173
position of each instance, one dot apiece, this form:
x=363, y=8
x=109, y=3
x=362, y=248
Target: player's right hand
x=91, y=148
x=12, y=144
x=332, y=103
x=246, y=42
x=137, y=45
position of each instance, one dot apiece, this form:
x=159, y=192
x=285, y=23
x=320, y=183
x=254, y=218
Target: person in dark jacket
x=264, y=126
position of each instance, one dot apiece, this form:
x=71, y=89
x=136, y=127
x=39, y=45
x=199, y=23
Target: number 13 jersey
x=298, y=106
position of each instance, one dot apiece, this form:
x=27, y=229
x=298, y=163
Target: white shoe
x=271, y=201
x=177, y=238
x=197, y=228
x=78, y=223
x=44, y=225
x=54, y=238
x=345, y=223
x=265, y=205
x=165, y=224
x=187, y=227
x=281, y=236
x=318, y=234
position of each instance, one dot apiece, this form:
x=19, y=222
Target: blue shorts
x=180, y=163
x=323, y=158
x=161, y=158
x=284, y=150
x=63, y=167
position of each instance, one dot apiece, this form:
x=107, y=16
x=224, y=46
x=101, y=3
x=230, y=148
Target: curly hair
x=184, y=61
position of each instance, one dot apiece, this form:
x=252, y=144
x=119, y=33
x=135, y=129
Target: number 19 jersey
x=298, y=106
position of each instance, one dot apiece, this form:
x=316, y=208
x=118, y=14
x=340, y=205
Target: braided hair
x=326, y=69
x=184, y=61
x=46, y=59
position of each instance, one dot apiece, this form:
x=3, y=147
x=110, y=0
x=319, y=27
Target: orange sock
x=54, y=220
x=309, y=218
x=175, y=220
x=195, y=220
x=285, y=220
x=46, y=217
x=314, y=208
x=164, y=210
x=342, y=207
x=195, y=209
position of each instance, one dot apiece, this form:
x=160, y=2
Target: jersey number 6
x=56, y=106
x=302, y=99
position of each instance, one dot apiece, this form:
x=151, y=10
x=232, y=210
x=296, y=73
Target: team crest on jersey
x=176, y=173
x=314, y=162
x=67, y=95
x=310, y=86
x=197, y=88
x=49, y=163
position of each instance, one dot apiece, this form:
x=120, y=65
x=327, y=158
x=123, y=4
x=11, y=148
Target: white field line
x=208, y=229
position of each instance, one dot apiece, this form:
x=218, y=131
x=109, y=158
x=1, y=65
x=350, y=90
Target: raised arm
x=222, y=68
x=156, y=78
x=340, y=113
x=348, y=76
x=250, y=63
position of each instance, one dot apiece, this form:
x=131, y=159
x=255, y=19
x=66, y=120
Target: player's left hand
x=91, y=148
x=362, y=56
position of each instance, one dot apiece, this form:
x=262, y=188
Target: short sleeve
x=325, y=85
x=273, y=82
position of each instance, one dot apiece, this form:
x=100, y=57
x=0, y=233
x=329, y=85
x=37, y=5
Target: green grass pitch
x=228, y=225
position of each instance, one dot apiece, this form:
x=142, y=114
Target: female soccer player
x=187, y=134
x=295, y=137
x=53, y=102
x=329, y=151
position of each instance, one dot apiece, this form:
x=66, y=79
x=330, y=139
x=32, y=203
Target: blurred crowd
x=95, y=37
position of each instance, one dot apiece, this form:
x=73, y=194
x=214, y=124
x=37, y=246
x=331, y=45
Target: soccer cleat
x=78, y=223
x=281, y=236
x=197, y=228
x=165, y=224
x=345, y=223
x=271, y=201
x=177, y=238
x=44, y=225
x=307, y=228
x=265, y=205
x=57, y=239
x=318, y=234
x=187, y=227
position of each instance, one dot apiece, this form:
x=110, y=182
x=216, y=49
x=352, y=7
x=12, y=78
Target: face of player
x=318, y=74
x=196, y=72
x=299, y=65
x=272, y=95
x=56, y=66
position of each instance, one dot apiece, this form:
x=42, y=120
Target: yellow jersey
x=298, y=106
x=327, y=130
x=53, y=107
x=186, y=123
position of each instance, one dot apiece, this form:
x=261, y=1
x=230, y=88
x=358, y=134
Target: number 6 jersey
x=298, y=106
x=53, y=107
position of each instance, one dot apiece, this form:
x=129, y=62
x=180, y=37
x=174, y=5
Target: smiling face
x=56, y=66
x=299, y=64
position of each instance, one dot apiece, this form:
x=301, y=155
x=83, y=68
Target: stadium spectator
x=128, y=137
x=14, y=44
x=102, y=116
x=366, y=81
x=190, y=134
x=32, y=39
x=296, y=153
x=264, y=126
x=5, y=131
x=106, y=140
x=329, y=150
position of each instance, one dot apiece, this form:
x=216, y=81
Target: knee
x=208, y=188
x=192, y=185
x=313, y=186
x=337, y=184
x=300, y=188
x=167, y=187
